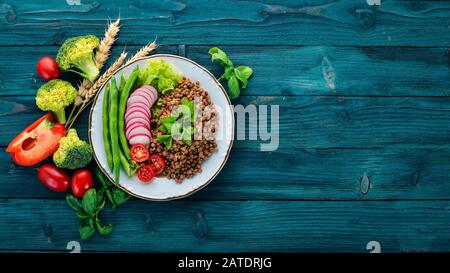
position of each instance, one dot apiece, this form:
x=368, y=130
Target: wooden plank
x=311, y=70
x=330, y=70
x=309, y=122
x=292, y=22
x=296, y=174
x=26, y=81
x=258, y=226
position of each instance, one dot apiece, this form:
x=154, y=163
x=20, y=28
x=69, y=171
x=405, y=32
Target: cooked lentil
x=184, y=161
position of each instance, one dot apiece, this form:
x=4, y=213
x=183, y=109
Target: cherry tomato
x=139, y=153
x=48, y=69
x=157, y=162
x=54, y=178
x=37, y=142
x=146, y=173
x=81, y=182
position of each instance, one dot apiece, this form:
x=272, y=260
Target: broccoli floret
x=73, y=153
x=54, y=96
x=77, y=55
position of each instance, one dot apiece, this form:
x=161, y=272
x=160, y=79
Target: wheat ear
x=144, y=51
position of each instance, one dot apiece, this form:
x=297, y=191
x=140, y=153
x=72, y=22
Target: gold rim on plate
x=228, y=149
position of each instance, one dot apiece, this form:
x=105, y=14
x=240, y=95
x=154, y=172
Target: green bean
x=122, y=83
x=113, y=130
x=125, y=92
x=105, y=127
x=126, y=164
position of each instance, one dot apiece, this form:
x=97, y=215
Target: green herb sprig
x=232, y=74
x=89, y=208
x=180, y=124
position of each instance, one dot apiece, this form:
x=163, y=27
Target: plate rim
x=94, y=102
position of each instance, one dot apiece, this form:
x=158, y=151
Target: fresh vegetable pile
x=148, y=120
x=52, y=135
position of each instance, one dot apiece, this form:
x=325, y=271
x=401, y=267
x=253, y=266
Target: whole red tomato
x=48, y=69
x=54, y=178
x=81, y=182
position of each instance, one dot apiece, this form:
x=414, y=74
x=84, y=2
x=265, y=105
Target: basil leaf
x=73, y=202
x=109, y=194
x=89, y=201
x=92, y=222
x=82, y=216
x=103, y=230
x=101, y=178
x=101, y=206
x=86, y=232
x=221, y=57
x=120, y=197
x=100, y=195
x=233, y=87
x=243, y=73
x=169, y=143
x=165, y=139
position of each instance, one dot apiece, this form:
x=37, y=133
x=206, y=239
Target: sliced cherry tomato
x=48, y=69
x=81, y=182
x=139, y=153
x=146, y=173
x=157, y=162
x=54, y=178
x=37, y=142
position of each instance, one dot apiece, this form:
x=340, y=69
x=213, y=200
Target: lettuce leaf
x=159, y=74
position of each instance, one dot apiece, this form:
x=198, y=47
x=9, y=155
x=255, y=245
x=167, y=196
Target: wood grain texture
x=285, y=70
x=254, y=226
x=364, y=120
x=324, y=22
x=309, y=122
x=296, y=174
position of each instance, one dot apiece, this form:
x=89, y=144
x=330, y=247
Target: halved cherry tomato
x=37, y=142
x=139, y=153
x=48, y=69
x=54, y=178
x=146, y=173
x=81, y=182
x=157, y=162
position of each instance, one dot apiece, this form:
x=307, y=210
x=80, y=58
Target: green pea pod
x=105, y=125
x=113, y=129
x=123, y=80
x=126, y=164
x=124, y=94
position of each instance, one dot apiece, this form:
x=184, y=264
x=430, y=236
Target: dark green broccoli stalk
x=54, y=96
x=77, y=55
x=73, y=153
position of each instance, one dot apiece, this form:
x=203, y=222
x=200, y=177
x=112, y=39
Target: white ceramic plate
x=163, y=188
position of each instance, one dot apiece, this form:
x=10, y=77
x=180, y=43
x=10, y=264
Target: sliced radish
x=138, y=100
x=148, y=93
x=140, y=131
x=140, y=139
x=146, y=125
x=142, y=96
x=137, y=119
x=152, y=91
x=137, y=113
x=130, y=129
x=138, y=106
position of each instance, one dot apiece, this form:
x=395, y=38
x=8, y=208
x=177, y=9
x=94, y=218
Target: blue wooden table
x=364, y=154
